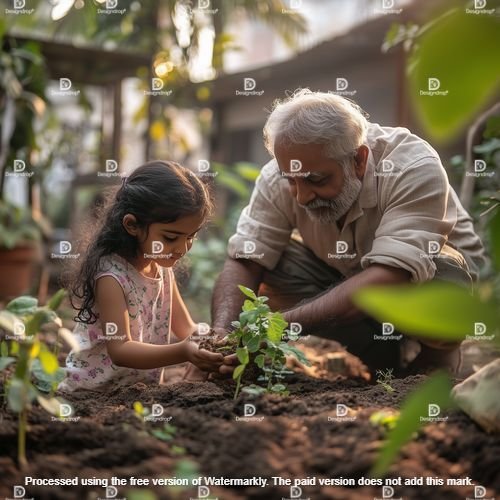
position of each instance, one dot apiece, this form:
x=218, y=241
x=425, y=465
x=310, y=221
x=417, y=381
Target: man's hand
x=220, y=333
x=230, y=363
x=201, y=358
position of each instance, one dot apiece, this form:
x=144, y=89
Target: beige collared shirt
x=405, y=213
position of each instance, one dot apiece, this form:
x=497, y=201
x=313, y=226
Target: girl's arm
x=182, y=324
x=126, y=352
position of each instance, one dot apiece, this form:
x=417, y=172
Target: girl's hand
x=203, y=359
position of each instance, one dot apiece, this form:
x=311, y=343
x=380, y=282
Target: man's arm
x=227, y=299
x=335, y=307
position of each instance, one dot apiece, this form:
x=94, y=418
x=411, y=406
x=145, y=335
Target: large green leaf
x=461, y=50
x=20, y=395
x=435, y=310
x=436, y=391
x=242, y=354
x=22, y=306
x=293, y=351
x=277, y=326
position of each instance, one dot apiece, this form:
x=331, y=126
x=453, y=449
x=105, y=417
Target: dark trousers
x=300, y=276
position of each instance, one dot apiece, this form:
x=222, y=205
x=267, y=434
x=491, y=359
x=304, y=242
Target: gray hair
x=308, y=117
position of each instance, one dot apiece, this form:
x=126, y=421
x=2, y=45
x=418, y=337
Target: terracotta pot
x=17, y=267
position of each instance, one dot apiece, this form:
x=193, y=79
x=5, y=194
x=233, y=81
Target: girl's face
x=165, y=243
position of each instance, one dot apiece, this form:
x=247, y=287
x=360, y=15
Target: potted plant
x=22, y=99
x=19, y=249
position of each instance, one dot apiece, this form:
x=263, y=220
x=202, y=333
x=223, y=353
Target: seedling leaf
x=253, y=344
x=276, y=327
x=246, y=291
x=297, y=353
x=436, y=390
x=242, y=354
x=238, y=371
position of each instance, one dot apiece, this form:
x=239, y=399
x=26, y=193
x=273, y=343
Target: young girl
x=128, y=299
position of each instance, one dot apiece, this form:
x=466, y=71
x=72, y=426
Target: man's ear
x=360, y=160
x=130, y=224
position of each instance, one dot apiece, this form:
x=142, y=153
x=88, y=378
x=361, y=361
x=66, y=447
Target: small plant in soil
x=384, y=419
x=35, y=366
x=384, y=378
x=260, y=341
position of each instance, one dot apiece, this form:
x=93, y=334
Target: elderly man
x=344, y=204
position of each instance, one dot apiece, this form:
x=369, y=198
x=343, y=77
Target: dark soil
x=295, y=439
x=213, y=343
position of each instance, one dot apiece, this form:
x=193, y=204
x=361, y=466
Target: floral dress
x=149, y=303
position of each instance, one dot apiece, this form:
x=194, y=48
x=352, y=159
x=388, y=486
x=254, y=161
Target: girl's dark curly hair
x=158, y=191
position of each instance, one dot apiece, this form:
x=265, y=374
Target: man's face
x=321, y=186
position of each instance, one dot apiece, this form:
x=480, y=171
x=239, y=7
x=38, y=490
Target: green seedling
x=385, y=419
x=384, y=378
x=165, y=433
x=261, y=337
x=35, y=366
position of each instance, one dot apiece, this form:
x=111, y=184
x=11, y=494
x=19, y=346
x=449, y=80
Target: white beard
x=330, y=211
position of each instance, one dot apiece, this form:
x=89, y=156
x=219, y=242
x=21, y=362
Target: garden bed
x=290, y=436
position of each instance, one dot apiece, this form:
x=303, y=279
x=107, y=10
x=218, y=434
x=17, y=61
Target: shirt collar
x=368, y=195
